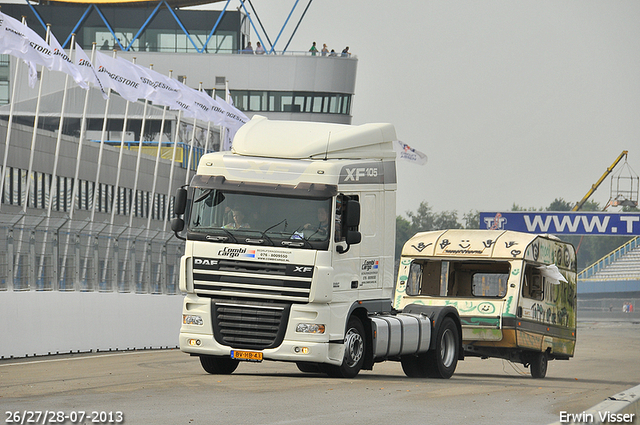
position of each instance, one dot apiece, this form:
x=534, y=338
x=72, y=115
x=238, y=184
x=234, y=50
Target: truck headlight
x=310, y=328
x=190, y=319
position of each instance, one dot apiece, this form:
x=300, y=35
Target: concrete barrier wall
x=50, y=322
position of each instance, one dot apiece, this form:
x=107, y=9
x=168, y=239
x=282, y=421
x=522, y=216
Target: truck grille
x=251, y=280
x=254, y=326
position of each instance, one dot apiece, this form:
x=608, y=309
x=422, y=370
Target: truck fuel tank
x=401, y=334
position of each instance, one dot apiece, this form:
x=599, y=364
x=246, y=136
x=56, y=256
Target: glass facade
x=287, y=101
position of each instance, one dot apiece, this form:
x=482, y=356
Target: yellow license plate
x=251, y=356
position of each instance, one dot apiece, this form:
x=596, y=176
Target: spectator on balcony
x=259, y=49
x=248, y=50
x=324, y=50
x=313, y=49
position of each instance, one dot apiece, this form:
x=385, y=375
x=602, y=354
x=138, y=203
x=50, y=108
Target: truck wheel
x=218, y=365
x=443, y=359
x=308, y=367
x=354, y=344
x=538, y=365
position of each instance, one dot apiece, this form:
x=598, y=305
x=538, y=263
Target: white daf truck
x=289, y=256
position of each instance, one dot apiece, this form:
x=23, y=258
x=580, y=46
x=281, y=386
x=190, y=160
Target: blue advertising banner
x=563, y=223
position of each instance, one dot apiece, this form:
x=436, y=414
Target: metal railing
x=58, y=254
x=607, y=260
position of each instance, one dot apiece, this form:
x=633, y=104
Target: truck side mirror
x=181, y=202
x=177, y=224
x=352, y=213
x=353, y=237
x=351, y=220
x=179, y=207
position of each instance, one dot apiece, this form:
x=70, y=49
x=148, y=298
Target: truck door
x=346, y=264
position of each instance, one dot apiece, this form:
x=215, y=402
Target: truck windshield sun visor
x=302, y=189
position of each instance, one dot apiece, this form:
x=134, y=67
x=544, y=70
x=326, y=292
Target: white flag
x=407, y=153
x=62, y=63
x=33, y=74
x=12, y=41
x=165, y=90
x=88, y=72
x=233, y=117
x=207, y=109
x=21, y=41
x=122, y=76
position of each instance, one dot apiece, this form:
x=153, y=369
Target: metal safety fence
x=58, y=254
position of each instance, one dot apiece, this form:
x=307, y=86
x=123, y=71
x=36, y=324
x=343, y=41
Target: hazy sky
x=513, y=101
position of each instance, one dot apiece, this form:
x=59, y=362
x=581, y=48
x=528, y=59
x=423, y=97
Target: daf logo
x=302, y=269
x=204, y=262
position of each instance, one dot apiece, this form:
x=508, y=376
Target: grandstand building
x=71, y=229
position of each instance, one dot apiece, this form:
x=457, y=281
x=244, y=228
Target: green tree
x=516, y=207
x=560, y=204
x=422, y=219
x=472, y=219
x=404, y=231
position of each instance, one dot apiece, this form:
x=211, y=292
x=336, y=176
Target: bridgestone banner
x=129, y=80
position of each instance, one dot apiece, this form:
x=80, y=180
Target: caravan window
x=437, y=278
x=533, y=283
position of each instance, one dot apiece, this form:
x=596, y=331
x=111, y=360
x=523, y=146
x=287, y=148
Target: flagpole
x=11, y=110
x=34, y=135
x=83, y=130
x=223, y=129
x=56, y=156
x=96, y=187
x=158, y=154
x=134, y=197
x=173, y=161
x=76, y=182
x=102, y=137
x=208, y=137
x=135, y=181
x=193, y=138
x=55, y=164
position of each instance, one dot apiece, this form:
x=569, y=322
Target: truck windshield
x=260, y=219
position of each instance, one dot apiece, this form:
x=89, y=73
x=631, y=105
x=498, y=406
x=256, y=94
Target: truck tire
x=538, y=365
x=443, y=359
x=354, y=349
x=218, y=365
x=415, y=366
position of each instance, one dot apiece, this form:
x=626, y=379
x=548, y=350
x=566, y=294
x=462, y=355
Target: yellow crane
x=599, y=182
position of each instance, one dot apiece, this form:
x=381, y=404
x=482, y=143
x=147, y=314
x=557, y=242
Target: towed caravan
x=515, y=292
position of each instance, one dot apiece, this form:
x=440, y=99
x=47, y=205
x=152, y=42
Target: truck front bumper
x=288, y=351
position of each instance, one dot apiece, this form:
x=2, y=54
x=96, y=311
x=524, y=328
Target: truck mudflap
x=436, y=314
x=401, y=334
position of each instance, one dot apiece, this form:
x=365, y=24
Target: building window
x=304, y=102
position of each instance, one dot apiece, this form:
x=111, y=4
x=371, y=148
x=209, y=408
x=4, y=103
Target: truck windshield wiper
x=204, y=195
x=229, y=234
x=264, y=234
